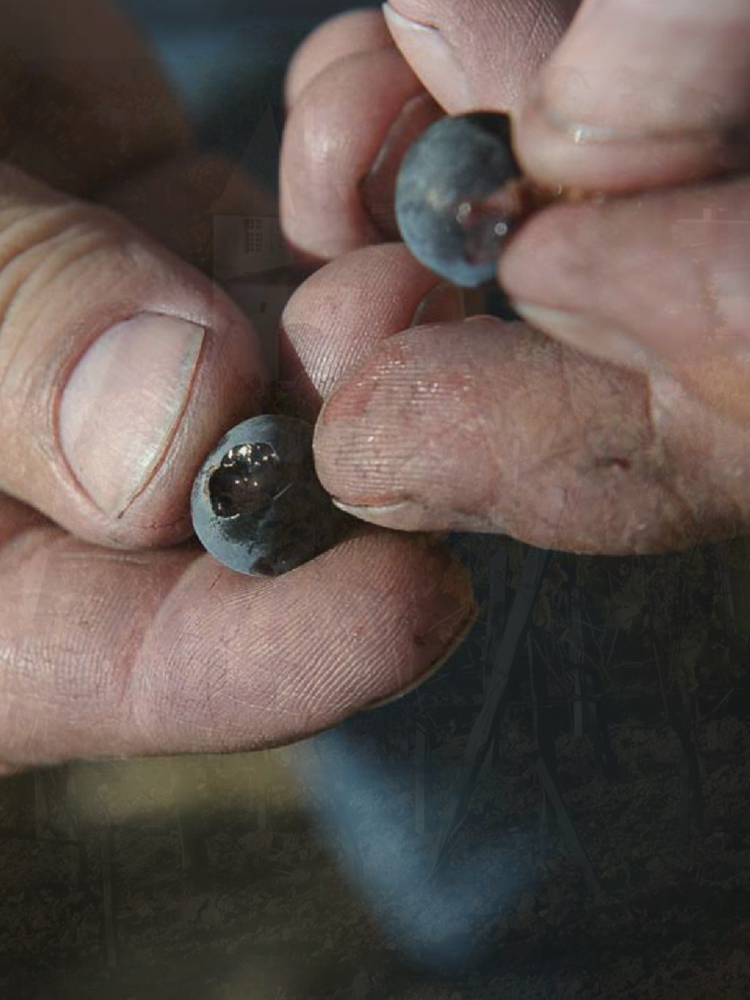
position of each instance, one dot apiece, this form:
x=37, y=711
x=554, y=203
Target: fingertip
x=347, y=34
x=333, y=137
x=639, y=95
x=268, y=650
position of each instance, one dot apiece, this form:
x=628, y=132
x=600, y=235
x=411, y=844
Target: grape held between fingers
x=257, y=504
x=459, y=194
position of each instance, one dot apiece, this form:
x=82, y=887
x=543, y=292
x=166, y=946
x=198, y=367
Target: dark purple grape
x=442, y=185
x=257, y=504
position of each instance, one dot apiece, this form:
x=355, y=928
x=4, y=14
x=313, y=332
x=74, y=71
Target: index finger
x=359, y=105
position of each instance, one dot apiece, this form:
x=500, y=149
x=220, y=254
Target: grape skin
x=267, y=512
x=452, y=166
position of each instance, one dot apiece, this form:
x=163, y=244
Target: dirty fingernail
x=464, y=618
x=378, y=188
x=443, y=303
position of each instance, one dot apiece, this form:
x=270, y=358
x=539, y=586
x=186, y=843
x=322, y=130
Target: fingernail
x=366, y=511
x=609, y=78
x=589, y=334
x=458, y=641
x=442, y=304
x=378, y=188
x=455, y=614
x=415, y=515
x=123, y=404
x=429, y=54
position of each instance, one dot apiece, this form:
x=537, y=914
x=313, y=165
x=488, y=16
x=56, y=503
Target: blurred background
x=228, y=57
x=560, y=812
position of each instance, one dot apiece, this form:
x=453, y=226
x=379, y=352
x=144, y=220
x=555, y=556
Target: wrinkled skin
x=618, y=422
x=118, y=635
x=618, y=419
x=257, y=505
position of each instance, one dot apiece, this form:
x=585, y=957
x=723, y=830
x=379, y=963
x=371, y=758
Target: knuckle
x=50, y=254
x=39, y=244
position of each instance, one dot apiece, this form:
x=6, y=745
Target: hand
x=121, y=365
x=618, y=421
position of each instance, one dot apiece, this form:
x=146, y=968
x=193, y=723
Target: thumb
x=120, y=365
x=641, y=94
